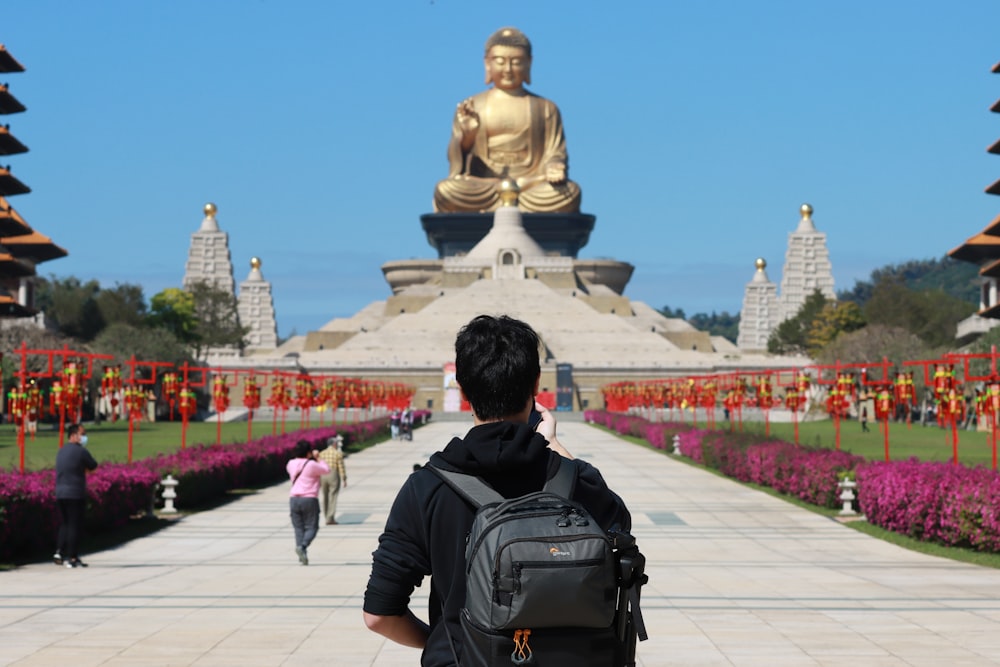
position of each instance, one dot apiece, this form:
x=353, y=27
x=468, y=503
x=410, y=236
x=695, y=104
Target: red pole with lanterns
x=220, y=401
x=187, y=404
x=135, y=394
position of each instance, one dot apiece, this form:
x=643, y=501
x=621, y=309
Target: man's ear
x=538, y=381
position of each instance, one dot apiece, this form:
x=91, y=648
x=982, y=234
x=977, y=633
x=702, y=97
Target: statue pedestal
x=562, y=234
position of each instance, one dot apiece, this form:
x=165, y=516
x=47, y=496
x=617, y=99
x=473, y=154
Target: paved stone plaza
x=737, y=578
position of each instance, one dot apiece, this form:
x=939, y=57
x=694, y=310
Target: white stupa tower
x=255, y=305
x=760, y=314
x=807, y=266
x=208, y=257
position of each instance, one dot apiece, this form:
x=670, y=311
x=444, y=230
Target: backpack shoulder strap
x=563, y=483
x=472, y=488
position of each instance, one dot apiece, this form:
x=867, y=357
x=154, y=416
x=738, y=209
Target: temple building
x=807, y=269
x=984, y=249
x=22, y=248
x=507, y=230
x=210, y=261
x=591, y=333
x=255, y=304
x=760, y=314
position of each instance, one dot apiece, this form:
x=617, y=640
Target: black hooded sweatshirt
x=426, y=529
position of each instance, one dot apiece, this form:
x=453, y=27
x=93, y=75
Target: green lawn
x=927, y=443
x=109, y=441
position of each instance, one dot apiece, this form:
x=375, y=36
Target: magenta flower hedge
x=934, y=502
x=930, y=501
x=29, y=516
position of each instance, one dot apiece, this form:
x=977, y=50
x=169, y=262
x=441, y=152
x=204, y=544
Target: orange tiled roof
x=9, y=145
x=8, y=63
x=11, y=224
x=34, y=246
x=9, y=307
x=11, y=266
x=10, y=185
x=980, y=247
x=9, y=103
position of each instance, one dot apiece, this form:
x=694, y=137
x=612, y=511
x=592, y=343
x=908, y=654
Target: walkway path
x=737, y=578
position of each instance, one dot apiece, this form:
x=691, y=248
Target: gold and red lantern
x=220, y=394
x=251, y=394
x=187, y=403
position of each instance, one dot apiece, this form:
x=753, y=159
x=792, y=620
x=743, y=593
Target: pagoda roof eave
x=9, y=145
x=12, y=266
x=995, y=148
x=991, y=270
x=12, y=224
x=994, y=189
x=34, y=246
x=8, y=63
x=9, y=307
x=10, y=185
x=8, y=103
x=993, y=229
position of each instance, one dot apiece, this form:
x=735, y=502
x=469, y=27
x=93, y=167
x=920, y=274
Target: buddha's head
x=508, y=59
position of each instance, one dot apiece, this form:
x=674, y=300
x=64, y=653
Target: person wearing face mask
x=72, y=464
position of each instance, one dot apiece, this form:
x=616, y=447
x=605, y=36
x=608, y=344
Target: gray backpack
x=545, y=585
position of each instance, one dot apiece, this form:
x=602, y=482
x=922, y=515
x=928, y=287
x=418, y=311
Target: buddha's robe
x=524, y=146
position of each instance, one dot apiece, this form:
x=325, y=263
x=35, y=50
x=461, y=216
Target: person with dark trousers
x=72, y=464
x=497, y=369
x=305, y=471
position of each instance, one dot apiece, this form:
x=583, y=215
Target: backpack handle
x=477, y=492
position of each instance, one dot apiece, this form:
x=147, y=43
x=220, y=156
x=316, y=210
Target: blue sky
x=319, y=128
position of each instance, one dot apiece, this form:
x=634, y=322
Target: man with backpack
x=497, y=368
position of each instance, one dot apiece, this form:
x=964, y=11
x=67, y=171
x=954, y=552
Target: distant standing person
x=394, y=424
x=864, y=419
x=72, y=464
x=305, y=471
x=330, y=483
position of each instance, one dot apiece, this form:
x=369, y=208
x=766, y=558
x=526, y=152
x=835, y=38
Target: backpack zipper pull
x=522, y=655
x=563, y=520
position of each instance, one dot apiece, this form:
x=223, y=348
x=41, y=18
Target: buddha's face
x=508, y=67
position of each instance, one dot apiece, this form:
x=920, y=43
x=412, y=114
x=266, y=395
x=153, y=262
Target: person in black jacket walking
x=72, y=464
x=497, y=368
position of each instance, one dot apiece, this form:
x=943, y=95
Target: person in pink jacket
x=305, y=470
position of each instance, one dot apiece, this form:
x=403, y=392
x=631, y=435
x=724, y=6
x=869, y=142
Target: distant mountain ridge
x=957, y=279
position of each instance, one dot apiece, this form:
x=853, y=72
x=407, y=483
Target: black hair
x=496, y=365
x=302, y=449
x=72, y=430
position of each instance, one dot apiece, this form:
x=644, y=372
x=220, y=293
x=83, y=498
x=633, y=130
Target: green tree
x=124, y=303
x=71, y=305
x=933, y=315
x=173, y=309
x=791, y=336
x=217, y=322
x=835, y=319
x=145, y=343
x=667, y=311
x=721, y=324
x=957, y=279
x=872, y=343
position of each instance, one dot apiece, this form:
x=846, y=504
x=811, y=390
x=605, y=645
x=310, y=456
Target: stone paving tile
x=737, y=578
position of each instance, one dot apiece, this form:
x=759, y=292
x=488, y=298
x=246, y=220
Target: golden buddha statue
x=507, y=131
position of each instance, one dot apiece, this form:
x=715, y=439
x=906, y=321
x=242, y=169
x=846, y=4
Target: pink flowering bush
x=935, y=502
x=29, y=515
x=116, y=492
